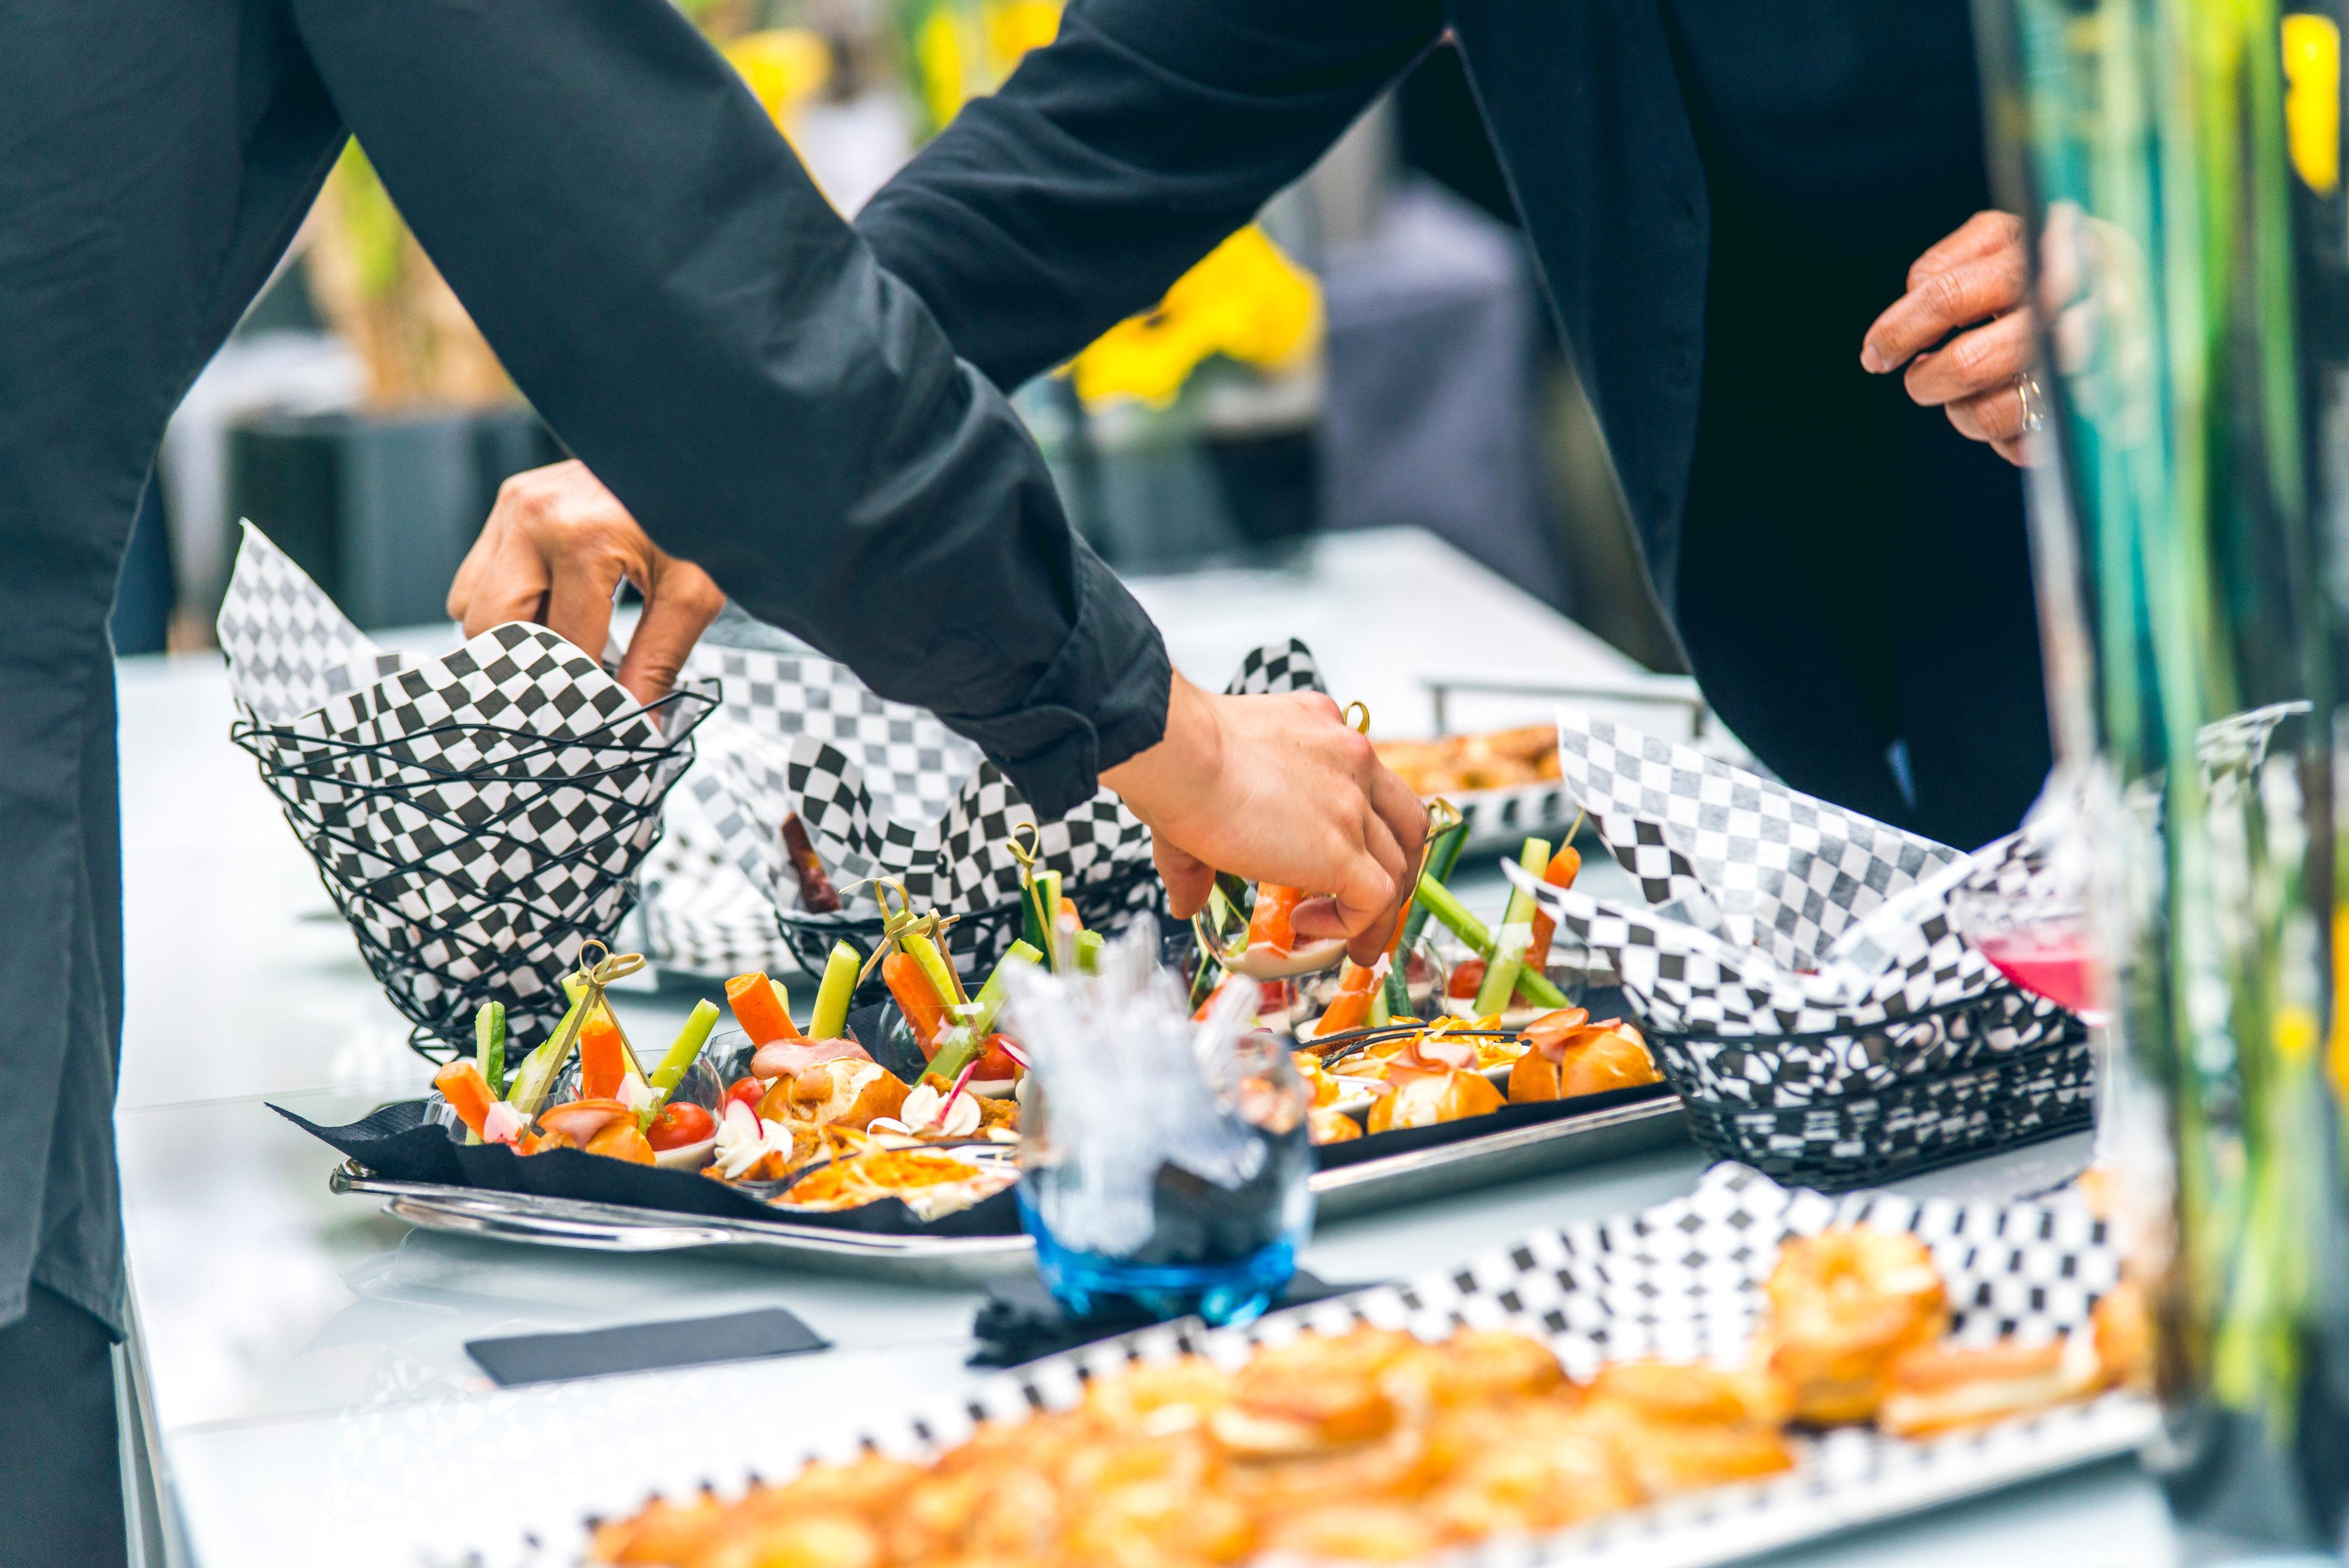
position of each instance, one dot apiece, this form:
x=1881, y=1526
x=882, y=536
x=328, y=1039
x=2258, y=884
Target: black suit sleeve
x=685, y=309
x=1115, y=159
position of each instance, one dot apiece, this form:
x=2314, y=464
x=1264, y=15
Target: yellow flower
x=2312, y=104
x=783, y=66
x=1245, y=300
x=1016, y=26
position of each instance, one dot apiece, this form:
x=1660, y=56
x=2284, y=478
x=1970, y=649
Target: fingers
x=2015, y=451
x=1974, y=362
x=1188, y=879
x=579, y=600
x=1983, y=235
x=485, y=547
x=681, y=601
x=1994, y=416
x=1942, y=302
x=512, y=585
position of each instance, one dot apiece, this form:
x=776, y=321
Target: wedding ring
x=2035, y=403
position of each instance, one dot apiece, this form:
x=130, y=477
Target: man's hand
x=556, y=549
x=1975, y=279
x=1278, y=789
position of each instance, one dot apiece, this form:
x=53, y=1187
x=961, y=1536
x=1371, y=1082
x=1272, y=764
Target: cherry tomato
x=1465, y=978
x=994, y=1063
x=746, y=1089
x=680, y=1122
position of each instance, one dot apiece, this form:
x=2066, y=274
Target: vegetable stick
x=1563, y=868
x=1511, y=940
x=966, y=1041
x=536, y=1076
x=943, y=979
x=1089, y=952
x=830, y=1019
x=489, y=1045
x=1443, y=855
x=1440, y=901
x=684, y=1050
x=1270, y=922
x=917, y=999
x=462, y=1085
x=603, y=1056
x=763, y=1008
x=1350, y=1008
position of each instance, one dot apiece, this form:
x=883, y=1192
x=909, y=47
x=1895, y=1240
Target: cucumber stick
x=1441, y=903
x=489, y=1046
x=830, y=1019
x=1508, y=958
x=538, y=1070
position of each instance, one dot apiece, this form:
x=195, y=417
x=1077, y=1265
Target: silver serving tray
x=1387, y=1182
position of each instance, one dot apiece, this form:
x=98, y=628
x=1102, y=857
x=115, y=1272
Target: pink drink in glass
x=2050, y=961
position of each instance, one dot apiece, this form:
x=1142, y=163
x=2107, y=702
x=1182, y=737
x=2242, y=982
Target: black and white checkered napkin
x=887, y=791
x=476, y=817
x=1682, y=1280
x=1769, y=912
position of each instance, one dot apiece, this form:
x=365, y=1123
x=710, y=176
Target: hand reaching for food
x=557, y=548
x=1278, y=789
x=1971, y=284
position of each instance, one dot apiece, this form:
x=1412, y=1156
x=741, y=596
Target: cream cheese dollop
x=926, y=1114
x=743, y=1141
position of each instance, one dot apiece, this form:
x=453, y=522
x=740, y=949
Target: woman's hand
x=1278, y=789
x=557, y=548
x=1975, y=280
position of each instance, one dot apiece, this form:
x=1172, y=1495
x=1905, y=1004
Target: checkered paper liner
x=1681, y=1280
x=1769, y=912
x=476, y=817
x=886, y=791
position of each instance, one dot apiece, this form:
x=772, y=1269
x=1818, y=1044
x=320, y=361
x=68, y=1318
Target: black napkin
x=396, y=1142
x=1020, y=1321
x=644, y=1346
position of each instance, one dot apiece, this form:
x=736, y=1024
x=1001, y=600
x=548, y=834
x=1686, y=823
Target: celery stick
x=965, y=1043
x=489, y=1046
x=1440, y=902
x=1381, y=1014
x=683, y=1052
x=1441, y=856
x=830, y=1019
x=1507, y=961
x=538, y=1070
x=1089, y=946
x=943, y=979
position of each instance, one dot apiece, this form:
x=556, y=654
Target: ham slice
x=790, y=1058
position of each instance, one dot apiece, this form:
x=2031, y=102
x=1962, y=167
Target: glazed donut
x=1942, y=1387
x=1530, y=1468
x=1668, y=1457
x=1354, y=1532
x=1161, y=1397
x=1313, y=1394
x=1694, y=1393
x=1844, y=1306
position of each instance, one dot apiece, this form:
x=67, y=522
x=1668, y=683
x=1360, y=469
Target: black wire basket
x=1857, y=1108
x=977, y=941
x=472, y=861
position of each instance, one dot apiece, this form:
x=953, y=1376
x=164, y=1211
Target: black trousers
x=60, y=1461
x=1854, y=581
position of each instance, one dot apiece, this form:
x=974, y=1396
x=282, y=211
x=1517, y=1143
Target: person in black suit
x=655, y=271
x=1720, y=199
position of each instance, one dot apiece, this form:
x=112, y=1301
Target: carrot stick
x=758, y=1008
x=1563, y=868
x=468, y=1093
x=917, y=999
x=602, y=1057
x=1268, y=922
x=1350, y=1008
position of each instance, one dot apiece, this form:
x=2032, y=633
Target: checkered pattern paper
x=476, y=817
x=888, y=792
x=1682, y=1280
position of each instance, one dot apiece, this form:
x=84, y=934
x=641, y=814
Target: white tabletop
x=301, y=1357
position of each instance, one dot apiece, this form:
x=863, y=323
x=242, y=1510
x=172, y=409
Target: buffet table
x=297, y=1381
